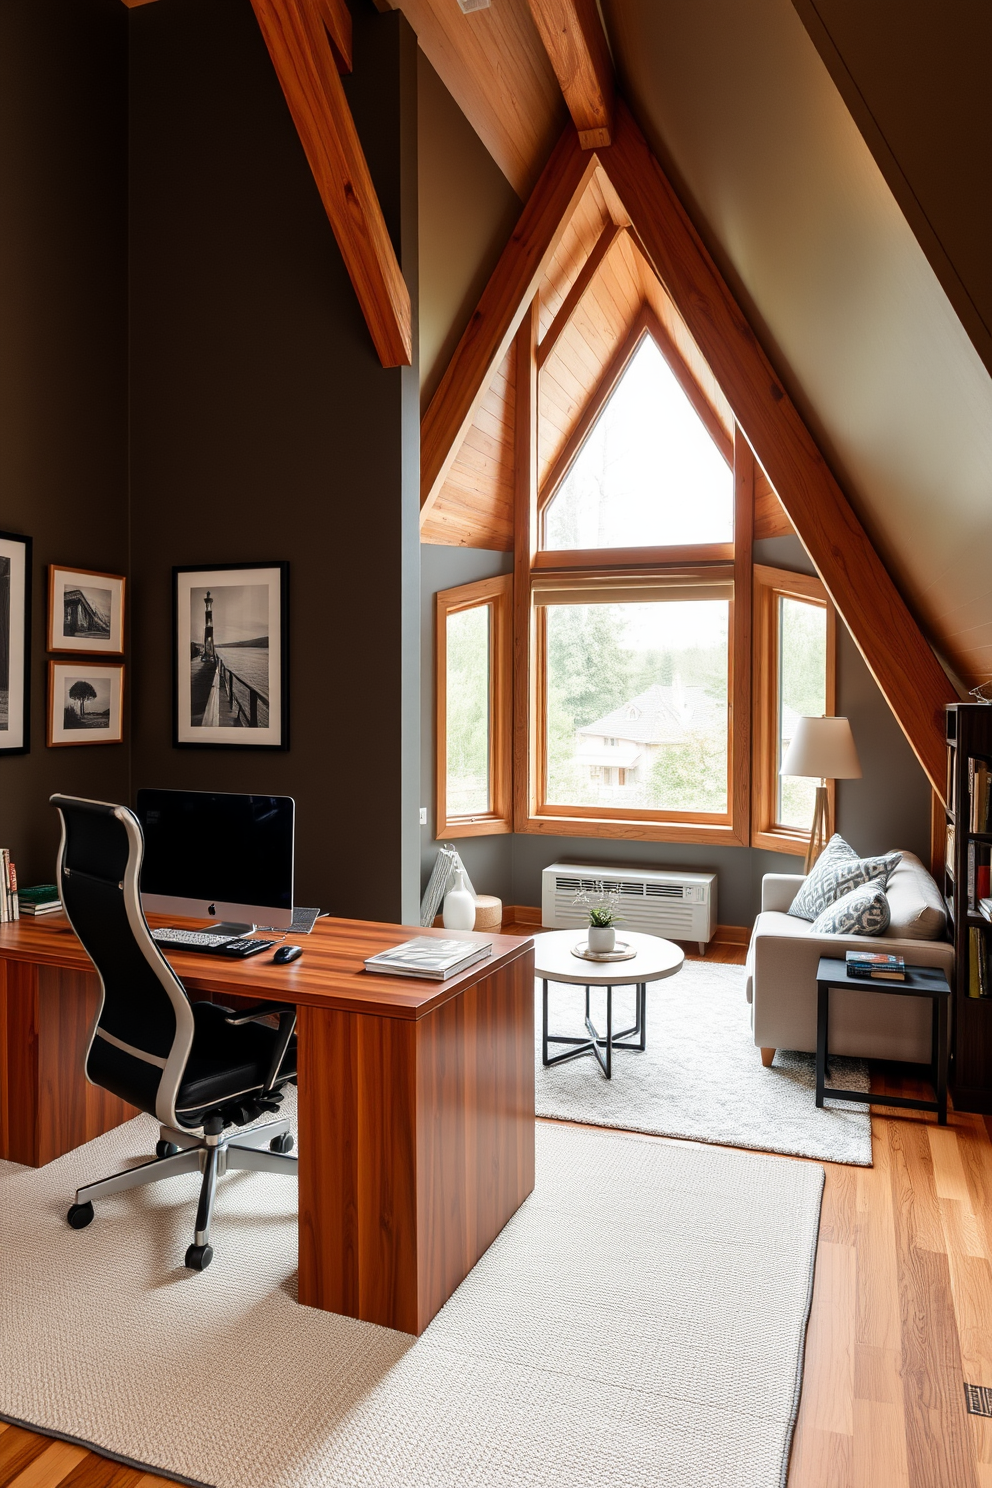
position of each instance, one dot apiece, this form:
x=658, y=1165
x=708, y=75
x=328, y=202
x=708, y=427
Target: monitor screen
x=212, y=854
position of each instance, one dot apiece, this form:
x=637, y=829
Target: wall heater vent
x=664, y=902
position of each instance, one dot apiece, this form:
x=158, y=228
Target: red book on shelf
x=982, y=876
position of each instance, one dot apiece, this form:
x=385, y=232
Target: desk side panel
x=19, y=1067
x=475, y=1123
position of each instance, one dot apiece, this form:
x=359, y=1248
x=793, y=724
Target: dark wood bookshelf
x=969, y=738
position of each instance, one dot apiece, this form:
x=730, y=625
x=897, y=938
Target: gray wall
x=889, y=807
x=263, y=427
x=63, y=356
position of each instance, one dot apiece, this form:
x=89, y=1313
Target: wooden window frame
x=497, y=595
x=771, y=585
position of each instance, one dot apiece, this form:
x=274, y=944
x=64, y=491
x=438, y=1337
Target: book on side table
x=875, y=966
x=426, y=957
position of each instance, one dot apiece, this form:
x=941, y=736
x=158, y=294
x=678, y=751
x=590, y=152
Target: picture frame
x=15, y=643
x=230, y=656
x=85, y=702
x=85, y=611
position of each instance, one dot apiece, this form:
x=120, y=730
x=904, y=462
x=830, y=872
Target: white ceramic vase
x=459, y=905
x=602, y=938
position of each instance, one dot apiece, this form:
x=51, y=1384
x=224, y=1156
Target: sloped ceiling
x=742, y=112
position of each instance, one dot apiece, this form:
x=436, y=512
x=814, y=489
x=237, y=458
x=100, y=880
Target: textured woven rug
x=640, y=1322
x=701, y=1076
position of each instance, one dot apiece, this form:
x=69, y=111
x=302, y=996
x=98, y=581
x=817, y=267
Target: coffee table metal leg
x=609, y=1033
x=642, y=1014
x=822, y=1015
x=544, y=1021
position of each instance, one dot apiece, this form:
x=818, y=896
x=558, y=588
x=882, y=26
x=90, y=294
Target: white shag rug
x=701, y=1076
x=639, y=1322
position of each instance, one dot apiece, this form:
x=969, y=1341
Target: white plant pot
x=459, y=906
x=602, y=938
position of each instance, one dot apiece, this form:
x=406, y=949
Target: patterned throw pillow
x=863, y=911
x=837, y=870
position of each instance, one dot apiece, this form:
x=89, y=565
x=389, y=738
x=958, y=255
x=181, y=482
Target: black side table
x=921, y=981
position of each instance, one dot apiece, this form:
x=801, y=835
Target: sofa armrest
x=779, y=889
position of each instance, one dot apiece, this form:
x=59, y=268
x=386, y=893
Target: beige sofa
x=781, y=972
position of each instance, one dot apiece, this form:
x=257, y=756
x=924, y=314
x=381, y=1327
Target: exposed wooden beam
x=337, y=22
x=896, y=651
x=304, y=62
x=575, y=42
x=510, y=290
x=587, y=274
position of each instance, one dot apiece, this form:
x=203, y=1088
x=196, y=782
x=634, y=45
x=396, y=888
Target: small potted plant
x=602, y=929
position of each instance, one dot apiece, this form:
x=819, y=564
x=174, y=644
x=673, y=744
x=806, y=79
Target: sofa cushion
x=836, y=871
x=862, y=911
x=916, y=910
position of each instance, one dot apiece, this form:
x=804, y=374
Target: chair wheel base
x=80, y=1215
x=198, y=1257
x=281, y=1144
x=165, y=1149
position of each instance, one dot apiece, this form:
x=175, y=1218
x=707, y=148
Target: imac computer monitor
x=208, y=853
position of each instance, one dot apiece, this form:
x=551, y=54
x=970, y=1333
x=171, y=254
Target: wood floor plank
x=949, y=1176
x=832, y=1323
x=100, y=1472
x=18, y=1448
x=51, y=1468
x=878, y=1450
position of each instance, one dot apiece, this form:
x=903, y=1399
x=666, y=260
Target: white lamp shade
x=823, y=747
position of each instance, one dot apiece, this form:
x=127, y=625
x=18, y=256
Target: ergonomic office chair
x=197, y=1067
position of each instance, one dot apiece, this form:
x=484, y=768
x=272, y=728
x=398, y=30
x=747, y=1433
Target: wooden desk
x=416, y=1098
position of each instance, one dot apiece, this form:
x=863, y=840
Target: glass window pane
x=637, y=705
x=649, y=472
x=467, y=712
x=802, y=692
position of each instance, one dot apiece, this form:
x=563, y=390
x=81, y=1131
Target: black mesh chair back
x=144, y=1028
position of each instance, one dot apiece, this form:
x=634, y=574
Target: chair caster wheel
x=165, y=1149
x=282, y=1144
x=80, y=1215
x=198, y=1257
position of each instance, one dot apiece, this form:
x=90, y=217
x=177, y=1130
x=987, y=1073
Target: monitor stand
x=232, y=927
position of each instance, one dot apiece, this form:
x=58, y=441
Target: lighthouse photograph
x=230, y=656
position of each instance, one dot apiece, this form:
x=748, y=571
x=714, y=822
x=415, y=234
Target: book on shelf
x=978, y=966
x=41, y=899
x=985, y=908
x=949, y=850
x=980, y=792
x=424, y=956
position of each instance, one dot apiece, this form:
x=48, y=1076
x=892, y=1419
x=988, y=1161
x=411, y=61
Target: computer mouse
x=287, y=953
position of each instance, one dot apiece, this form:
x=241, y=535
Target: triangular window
x=648, y=474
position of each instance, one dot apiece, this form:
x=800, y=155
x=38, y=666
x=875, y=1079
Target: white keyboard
x=192, y=937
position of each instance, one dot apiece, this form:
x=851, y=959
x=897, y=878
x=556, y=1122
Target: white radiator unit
x=656, y=901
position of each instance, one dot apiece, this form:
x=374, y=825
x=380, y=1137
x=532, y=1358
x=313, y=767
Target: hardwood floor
x=901, y=1319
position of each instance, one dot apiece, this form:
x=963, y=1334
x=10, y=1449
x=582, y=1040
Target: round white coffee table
x=554, y=962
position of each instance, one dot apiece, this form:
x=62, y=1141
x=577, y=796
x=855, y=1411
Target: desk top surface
x=330, y=973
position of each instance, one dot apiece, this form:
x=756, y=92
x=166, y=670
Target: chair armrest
x=287, y=1025
x=779, y=889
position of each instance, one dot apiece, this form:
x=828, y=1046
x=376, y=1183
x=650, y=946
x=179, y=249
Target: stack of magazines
x=8, y=887
x=426, y=957
x=876, y=966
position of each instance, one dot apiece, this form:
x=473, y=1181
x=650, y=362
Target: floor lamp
x=821, y=748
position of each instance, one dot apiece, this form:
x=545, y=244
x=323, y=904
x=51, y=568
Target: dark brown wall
x=63, y=353
x=263, y=427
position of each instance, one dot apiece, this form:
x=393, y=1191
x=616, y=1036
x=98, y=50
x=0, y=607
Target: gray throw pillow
x=837, y=870
x=862, y=911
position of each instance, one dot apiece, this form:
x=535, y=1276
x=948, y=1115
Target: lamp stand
x=820, y=828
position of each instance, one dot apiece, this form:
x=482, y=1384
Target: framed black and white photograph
x=85, y=611
x=15, y=642
x=231, y=656
x=85, y=702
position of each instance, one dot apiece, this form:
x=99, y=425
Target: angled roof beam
x=576, y=45
x=587, y=274
x=307, y=71
x=511, y=288
x=337, y=22
x=897, y=653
